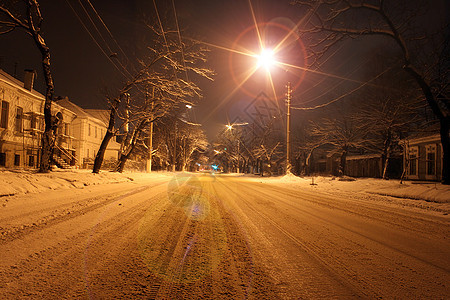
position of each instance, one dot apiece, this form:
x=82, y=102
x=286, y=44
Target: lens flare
x=266, y=59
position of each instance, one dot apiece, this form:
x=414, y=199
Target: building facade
x=422, y=157
x=22, y=123
x=89, y=128
x=78, y=136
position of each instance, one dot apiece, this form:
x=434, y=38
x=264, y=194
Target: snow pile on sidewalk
x=427, y=191
x=24, y=182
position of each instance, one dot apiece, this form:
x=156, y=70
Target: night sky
x=82, y=71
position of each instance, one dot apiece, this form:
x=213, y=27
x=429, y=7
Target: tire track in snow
x=319, y=264
x=443, y=269
x=384, y=244
x=61, y=213
x=94, y=252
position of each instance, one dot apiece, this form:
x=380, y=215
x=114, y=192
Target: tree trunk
x=108, y=135
x=101, y=152
x=444, y=121
x=48, y=136
x=445, y=140
x=386, y=154
x=121, y=164
x=127, y=153
x=342, y=163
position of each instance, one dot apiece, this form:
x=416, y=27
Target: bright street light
x=266, y=59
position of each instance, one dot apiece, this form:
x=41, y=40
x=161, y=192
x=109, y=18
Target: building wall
x=423, y=158
x=92, y=132
x=19, y=141
x=78, y=136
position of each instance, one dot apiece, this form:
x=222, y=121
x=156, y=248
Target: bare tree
x=389, y=111
x=267, y=155
x=193, y=140
x=165, y=72
x=26, y=15
x=339, y=131
x=330, y=21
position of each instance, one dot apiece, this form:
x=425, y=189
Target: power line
x=179, y=38
x=95, y=41
x=345, y=95
x=107, y=29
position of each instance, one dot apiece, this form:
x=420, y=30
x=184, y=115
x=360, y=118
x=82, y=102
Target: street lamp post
x=150, y=142
x=288, y=127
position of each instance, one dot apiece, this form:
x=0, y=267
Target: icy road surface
x=219, y=237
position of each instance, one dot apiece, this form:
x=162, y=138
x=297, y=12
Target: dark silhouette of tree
x=328, y=22
x=165, y=73
x=26, y=15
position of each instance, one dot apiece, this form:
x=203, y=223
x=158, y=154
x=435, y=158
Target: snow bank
x=429, y=191
x=24, y=182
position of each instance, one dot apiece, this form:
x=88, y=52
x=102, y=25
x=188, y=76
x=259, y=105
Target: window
x=17, y=160
x=66, y=129
x=4, y=115
x=96, y=131
x=89, y=130
x=31, y=160
x=33, y=121
x=3, y=159
x=413, y=157
x=19, y=118
x=431, y=159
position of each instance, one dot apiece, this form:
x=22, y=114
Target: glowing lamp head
x=229, y=127
x=266, y=58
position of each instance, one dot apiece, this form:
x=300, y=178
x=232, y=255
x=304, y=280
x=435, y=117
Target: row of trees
x=161, y=84
x=370, y=121
x=420, y=38
x=374, y=120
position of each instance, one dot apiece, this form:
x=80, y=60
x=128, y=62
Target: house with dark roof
x=423, y=156
x=22, y=124
x=89, y=128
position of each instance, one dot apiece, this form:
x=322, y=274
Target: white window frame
x=430, y=148
x=413, y=150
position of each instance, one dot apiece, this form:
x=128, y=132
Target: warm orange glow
x=266, y=59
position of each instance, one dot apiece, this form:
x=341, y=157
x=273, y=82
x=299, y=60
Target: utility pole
x=237, y=155
x=175, y=148
x=150, y=143
x=288, y=129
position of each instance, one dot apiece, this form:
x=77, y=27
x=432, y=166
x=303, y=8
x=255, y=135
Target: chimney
x=28, y=79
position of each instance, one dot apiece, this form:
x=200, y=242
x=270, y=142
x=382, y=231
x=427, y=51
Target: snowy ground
x=74, y=234
x=430, y=195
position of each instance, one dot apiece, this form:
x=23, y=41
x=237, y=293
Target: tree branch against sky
x=404, y=23
x=164, y=72
x=26, y=15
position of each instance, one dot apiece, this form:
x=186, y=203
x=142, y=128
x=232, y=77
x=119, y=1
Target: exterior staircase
x=59, y=155
x=60, y=163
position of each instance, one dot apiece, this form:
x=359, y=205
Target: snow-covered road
x=210, y=236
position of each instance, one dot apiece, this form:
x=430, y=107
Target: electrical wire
x=101, y=36
x=345, y=95
x=94, y=39
x=180, y=40
x=107, y=29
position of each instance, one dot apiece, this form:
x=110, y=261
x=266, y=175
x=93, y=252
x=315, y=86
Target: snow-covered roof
x=66, y=103
x=11, y=80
